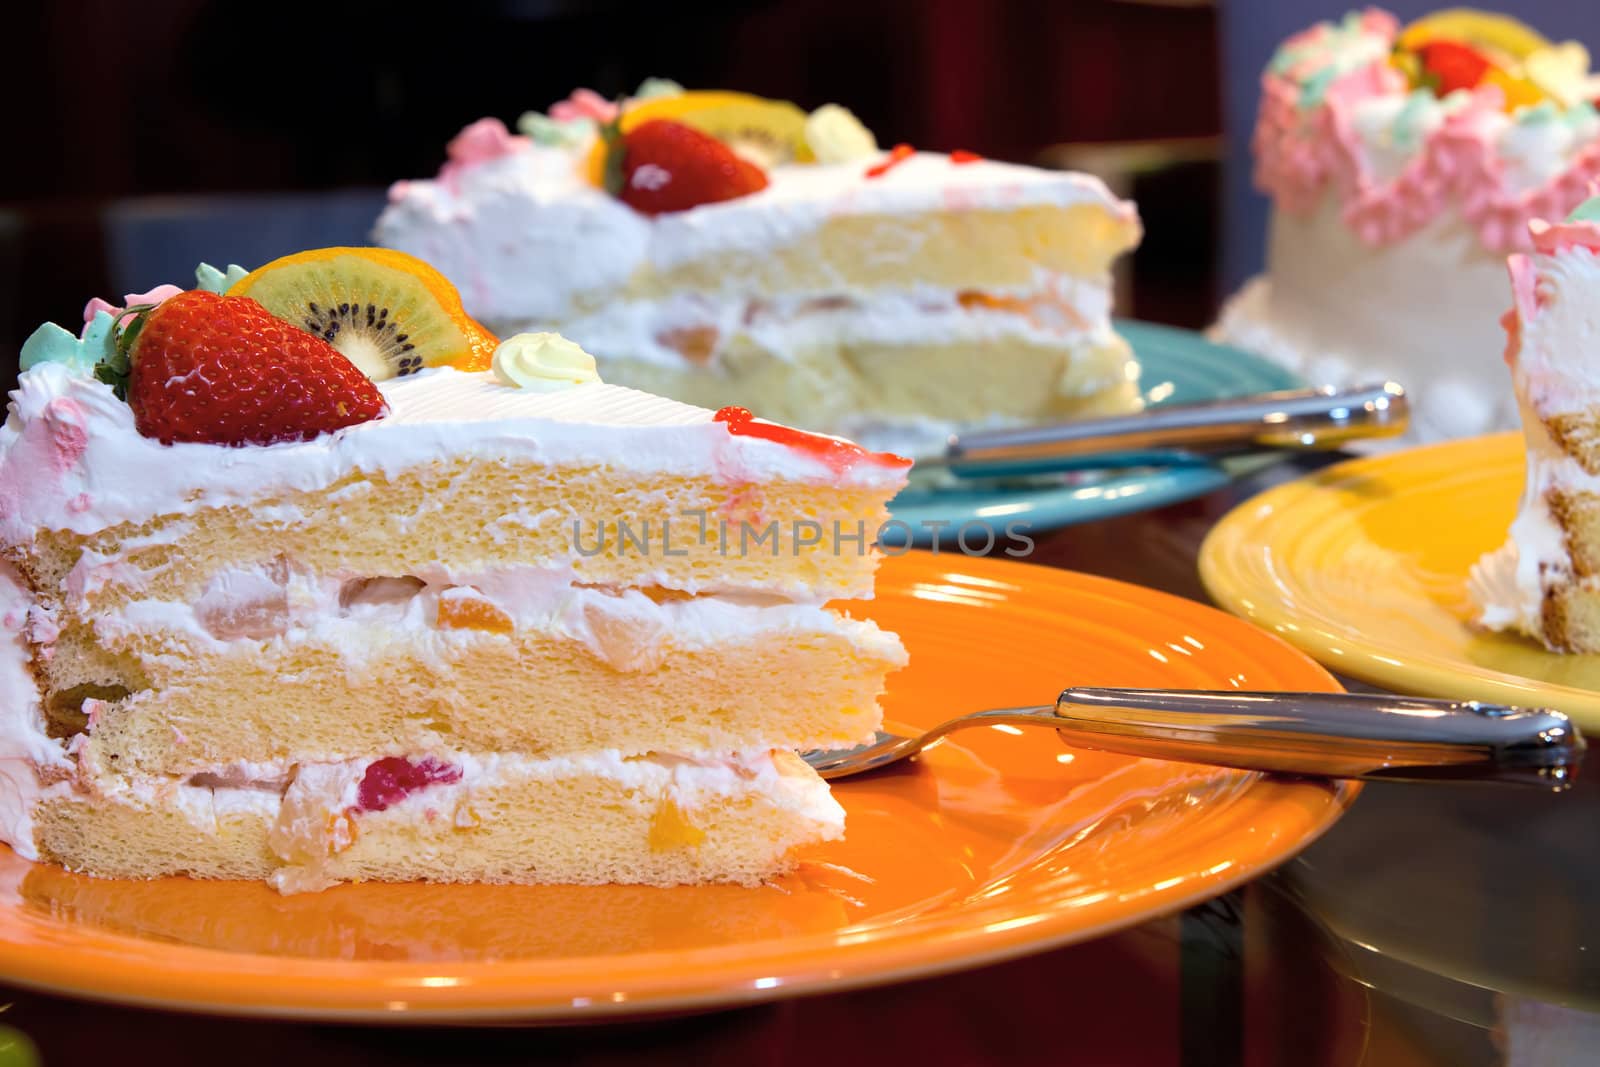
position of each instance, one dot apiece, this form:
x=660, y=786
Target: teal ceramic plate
x=1175, y=367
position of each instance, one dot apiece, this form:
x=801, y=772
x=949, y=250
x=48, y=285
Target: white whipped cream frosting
x=1341, y=312
x=1508, y=584
x=524, y=234
x=71, y=459
x=28, y=756
x=1554, y=375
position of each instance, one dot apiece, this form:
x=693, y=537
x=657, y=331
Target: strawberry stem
x=116, y=367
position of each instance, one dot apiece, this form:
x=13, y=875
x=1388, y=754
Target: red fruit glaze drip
x=961, y=155
x=897, y=155
x=837, y=454
x=392, y=779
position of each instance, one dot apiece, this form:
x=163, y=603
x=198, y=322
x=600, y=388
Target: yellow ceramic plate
x=993, y=844
x=1364, y=565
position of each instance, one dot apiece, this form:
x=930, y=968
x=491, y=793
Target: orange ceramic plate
x=991, y=845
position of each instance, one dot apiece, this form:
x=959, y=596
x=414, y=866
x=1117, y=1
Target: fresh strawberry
x=667, y=166
x=1451, y=65
x=223, y=370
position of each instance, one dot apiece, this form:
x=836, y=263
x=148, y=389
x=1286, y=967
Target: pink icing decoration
x=480, y=142
x=154, y=296
x=584, y=104
x=44, y=453
x=1524, y=303
x=484, y=140
x=1299, y=154
x=1379, y=23
x=64, y=420
x=95, y=306
x=1550, y=238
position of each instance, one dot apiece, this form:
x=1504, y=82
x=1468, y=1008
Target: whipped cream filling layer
x=694, y=329
x=524, y=235
x=71, y=459
x=363, y=617
x=315, y=815
x=264, y=788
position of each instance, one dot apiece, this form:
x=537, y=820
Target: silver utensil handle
x=1339, y=735
x=1300, y=419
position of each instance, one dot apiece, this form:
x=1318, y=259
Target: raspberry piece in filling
x=393, y=778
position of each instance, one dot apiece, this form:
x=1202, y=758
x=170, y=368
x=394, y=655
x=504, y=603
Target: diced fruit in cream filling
x=379, y=591
x=390, y=780
x=671, y=828
x=246, y=603
x=467, y=609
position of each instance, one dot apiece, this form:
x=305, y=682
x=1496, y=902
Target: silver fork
x=1329, y=735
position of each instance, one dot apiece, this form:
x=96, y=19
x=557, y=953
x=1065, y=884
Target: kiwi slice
x=390, y=314
x=767, y=132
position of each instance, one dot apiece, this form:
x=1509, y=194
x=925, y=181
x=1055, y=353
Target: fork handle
x=1337, y=735
x=1297, y=419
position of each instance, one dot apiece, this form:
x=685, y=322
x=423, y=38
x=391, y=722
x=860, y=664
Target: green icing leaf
x=1538, y=114
x=1316, y=87
x=213, y=280
x=1407, y=129
x=1588, y=211
x=99, y=337
x=52, y=344
x=654, y=87
x=552, y=133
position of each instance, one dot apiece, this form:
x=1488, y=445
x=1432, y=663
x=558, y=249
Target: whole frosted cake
x=472, y=616
x=725, y=249
x=1403, y=166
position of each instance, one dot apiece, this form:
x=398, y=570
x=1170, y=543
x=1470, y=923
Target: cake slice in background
x=1545, y=581
x=724, y=249
x=1403, y=166
x=486, y=619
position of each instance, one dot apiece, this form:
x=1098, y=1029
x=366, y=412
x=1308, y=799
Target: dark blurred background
x=143, y=138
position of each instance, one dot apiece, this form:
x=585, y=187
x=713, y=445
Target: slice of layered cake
x=1545, y=581
x=485, y=620
x=1404, y=164
x=724, y=249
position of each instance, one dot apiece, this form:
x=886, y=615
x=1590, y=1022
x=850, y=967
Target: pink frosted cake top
x=1403, y=132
